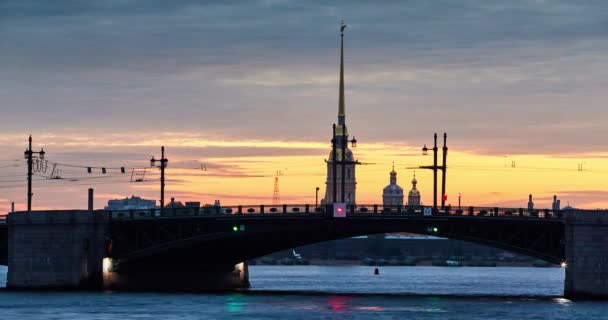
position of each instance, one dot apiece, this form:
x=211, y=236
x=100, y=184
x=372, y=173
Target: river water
x=321, y=292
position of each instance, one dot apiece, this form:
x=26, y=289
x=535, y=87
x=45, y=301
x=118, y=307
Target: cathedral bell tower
x=341, y=143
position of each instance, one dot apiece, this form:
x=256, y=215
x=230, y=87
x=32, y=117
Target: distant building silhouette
x=350, y=182
x=568, y=208
x=530, y=203
x=392, y=194
x=556, y=204
x=413, y=197
x=131, y=203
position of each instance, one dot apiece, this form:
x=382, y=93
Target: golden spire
x=341, y=111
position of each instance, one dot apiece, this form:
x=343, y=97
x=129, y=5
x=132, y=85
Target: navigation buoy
x=376, y=271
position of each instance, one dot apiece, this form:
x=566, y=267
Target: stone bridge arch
x=216, y=244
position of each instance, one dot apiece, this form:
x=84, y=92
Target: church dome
x=393, y=188
x=414, y=192
x=392, y=194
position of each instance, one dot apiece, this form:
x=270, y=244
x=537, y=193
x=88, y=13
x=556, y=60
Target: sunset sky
x=251, y=87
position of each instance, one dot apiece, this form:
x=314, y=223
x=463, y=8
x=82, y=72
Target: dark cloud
x=499, y=76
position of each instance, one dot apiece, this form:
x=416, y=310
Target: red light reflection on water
x=338, y=303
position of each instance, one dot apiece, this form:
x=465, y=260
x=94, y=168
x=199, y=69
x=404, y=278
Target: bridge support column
x=586, y=252
x=56, y=249
x=176, y=278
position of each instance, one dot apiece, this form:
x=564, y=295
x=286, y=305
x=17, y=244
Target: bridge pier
x=586, y=253
x=176, y=279
x=56, y=249
x=67, y=250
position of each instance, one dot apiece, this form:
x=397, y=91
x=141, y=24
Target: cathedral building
x=350, y=182
x=392, y=194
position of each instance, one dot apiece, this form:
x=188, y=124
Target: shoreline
x=422, y=263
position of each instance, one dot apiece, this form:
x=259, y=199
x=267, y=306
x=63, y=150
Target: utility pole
x=163, y=165
x=29, y=175
x=275, y=196
x=29, y=155
x=444, y=169
x=459, y=195
x=435, y=174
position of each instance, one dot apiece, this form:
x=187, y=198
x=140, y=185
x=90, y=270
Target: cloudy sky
x=250, y=87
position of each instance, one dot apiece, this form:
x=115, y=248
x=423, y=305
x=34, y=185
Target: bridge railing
x=327, y=210
x=451, y=211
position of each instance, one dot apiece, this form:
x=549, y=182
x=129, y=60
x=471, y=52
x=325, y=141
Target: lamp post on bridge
x=163, y=164
x=435, y=167
x=29, y=155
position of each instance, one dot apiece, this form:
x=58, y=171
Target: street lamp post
x=459, y=195
x=29, y=155
x=425, y=151
x=163, y=164
x=435, y=167
x=444, y=170
x=316, y=198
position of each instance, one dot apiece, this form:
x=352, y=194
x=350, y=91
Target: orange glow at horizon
x=482, y=180
x=248, y=178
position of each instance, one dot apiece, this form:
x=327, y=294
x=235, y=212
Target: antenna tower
x=276, y=199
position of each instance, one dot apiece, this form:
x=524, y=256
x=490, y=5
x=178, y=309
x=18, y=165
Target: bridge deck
x=361, y=211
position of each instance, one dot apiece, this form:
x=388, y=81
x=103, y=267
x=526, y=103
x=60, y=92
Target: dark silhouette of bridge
x=200, y=248
x=220, y=237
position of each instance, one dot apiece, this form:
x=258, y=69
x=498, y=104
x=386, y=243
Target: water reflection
x=235, y=302
x=338, y=303
x=563, y=301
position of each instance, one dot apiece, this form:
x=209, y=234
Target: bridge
x=229, y=235
x=194, y=248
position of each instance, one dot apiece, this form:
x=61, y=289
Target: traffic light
x=435, y=229
x=445, y=197
x=235, y=228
